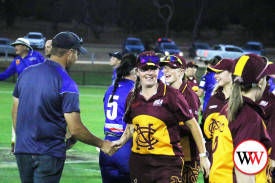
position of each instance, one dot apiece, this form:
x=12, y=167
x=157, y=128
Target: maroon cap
x=250, y=68
x=191, y=64
x=223, y=65
x=147, y=58
x=174, y=61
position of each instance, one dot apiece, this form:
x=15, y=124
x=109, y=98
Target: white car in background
x=36, y=39
x=219, y=52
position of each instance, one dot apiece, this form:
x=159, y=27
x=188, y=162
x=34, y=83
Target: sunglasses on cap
x=172, y=58
x=147, y=59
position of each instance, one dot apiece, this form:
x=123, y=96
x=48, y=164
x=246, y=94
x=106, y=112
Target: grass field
x=82, y=160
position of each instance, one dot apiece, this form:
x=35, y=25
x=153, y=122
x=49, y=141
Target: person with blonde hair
x=241, y=120
x=220, y=97
x=173, y=69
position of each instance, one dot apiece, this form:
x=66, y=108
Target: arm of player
x=128, y=133
x=243, y=178
x=14, y=111
x=200, y=92
x=9, y=71
x=80, y=132
x=197, y=135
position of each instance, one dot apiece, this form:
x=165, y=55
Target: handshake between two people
x=111, y=147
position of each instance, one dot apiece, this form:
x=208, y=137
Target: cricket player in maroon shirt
x=190, y=75
x=220, y=97
x=240, y=120
x=267, y=102
x=173, y=69
x=153, y=115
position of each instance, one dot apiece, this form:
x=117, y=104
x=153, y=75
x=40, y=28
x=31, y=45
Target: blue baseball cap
x=68, y=40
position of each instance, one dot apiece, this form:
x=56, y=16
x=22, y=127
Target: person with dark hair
x=220, y=97
x=173, y=70
x=26, y=57
x=115, y=62
x=116, y=167
x=190, y=75
x=241, y=120
x=46, y=101
x=153, y=115
x=207, y=83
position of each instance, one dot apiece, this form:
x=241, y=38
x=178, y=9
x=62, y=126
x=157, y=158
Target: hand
x=12, y=148
x=205, y=166
x=118, y=144
x=70, y=142
x=272, y=164
x=108, y=147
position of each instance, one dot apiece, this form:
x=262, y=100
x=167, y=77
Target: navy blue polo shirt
x=45, y=92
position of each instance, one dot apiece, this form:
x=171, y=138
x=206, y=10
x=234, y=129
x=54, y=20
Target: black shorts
x=148, y=168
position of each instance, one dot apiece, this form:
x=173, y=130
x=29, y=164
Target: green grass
x=82, y=160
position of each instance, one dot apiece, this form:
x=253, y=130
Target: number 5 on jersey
x=112, y=108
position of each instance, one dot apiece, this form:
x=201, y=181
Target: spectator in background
x=115, y=62
x=207, y=83
x=26, y=57
x=116, y=168
x=54, y=99
x=48, y=47
x=190, y=75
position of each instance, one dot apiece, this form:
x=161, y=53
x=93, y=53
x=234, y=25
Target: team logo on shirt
x=145, y=138
x=32, y=58
x=158, y=102
x=211, y=124
x=17, y=61
x=263, y=103
x=250, y=157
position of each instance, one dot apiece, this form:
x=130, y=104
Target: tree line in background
x=251, y=17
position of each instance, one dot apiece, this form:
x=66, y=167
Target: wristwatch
x=206, y=154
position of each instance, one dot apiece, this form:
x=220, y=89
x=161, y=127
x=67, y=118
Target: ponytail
x=128, y=63
x=236, y=99
x=118, y=77
x=235, y=102
x=133, y=97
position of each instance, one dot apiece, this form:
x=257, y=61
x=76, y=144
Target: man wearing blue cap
x=26, y=57
x=46, y=100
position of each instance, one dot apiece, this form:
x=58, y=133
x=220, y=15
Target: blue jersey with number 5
x=115, y=110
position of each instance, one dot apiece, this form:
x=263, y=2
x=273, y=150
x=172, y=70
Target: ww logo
x=250, y=157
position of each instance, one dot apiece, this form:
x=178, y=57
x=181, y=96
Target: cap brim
x=17, y=43
x=142, y=65
x=270, y=71
x=163, y=63
x=82, y=50
x=214, y=69
x=171, y=64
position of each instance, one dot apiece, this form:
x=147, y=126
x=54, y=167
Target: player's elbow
x=75, y=131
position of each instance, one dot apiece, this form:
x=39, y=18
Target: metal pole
x=92, y=57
